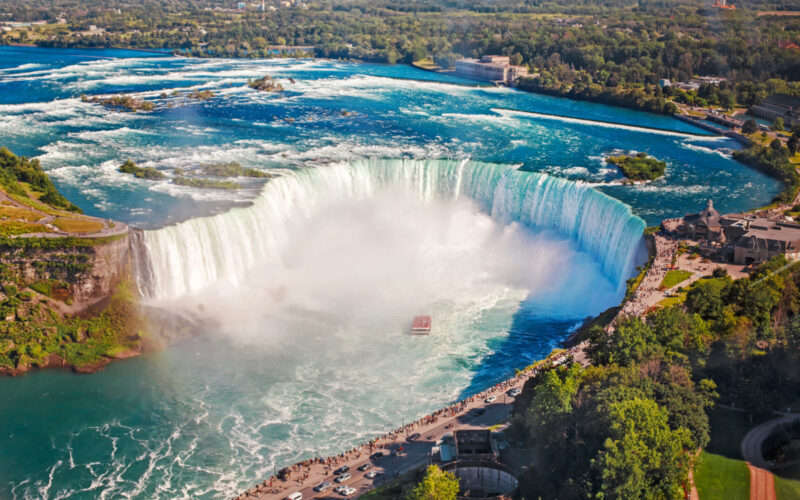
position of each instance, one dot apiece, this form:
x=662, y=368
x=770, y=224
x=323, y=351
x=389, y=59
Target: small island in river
x=122, y=103
x=640, y=167
x=194, y=178
x=129, y=167
x=266, y=84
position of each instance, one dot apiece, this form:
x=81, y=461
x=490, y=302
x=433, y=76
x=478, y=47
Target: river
x=395, y=192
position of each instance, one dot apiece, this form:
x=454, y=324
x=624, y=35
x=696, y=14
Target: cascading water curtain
x=188, y=257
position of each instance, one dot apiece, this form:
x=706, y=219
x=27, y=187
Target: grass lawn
x=427, y=64
x=787, y=489
x=721, y=477
x=11, y=212
x=679, y=298
x=78, y=225
x=12, y=228
x=675, y=277
x=34, y=203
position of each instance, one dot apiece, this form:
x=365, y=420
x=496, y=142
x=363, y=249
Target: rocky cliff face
x=82, y=272
x=111, y=263
x=70, y=302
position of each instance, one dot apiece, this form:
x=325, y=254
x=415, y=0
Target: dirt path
x=762, y=484
x=693, y=494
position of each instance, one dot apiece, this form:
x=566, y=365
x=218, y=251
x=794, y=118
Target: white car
x=491, y=399
x=347, y=492
x=340, y=489
x=344, y=477
x=371, y=474
x=323, y=486
x=514, y=392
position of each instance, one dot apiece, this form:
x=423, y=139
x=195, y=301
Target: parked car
x=514, y=392
x=339, y=489
x=477, y=412
x=323, y=486
x=344, y=477
x=413, y=436
x=366, y=466
x=342, y=469
x=371, y=474
x=376, y=455
x=490, y=399
x=348, y=491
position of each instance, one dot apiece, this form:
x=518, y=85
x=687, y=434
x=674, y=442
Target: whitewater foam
x=194, y=255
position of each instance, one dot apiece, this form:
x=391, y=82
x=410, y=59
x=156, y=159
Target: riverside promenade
x=648, y=293
x=410, y=453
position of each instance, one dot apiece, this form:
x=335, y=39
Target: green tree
x=445, y=59
x=794, y=143
x=436, y=485
x=626, y=344
x=727, y=100
x=643, y=458
x=778, y=124
x=749, y=127
x=706, y=297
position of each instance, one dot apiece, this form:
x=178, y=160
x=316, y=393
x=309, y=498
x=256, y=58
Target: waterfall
x=191, y=256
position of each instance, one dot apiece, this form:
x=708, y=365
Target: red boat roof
x=421, y=322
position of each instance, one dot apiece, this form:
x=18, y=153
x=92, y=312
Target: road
x=762, y=482
x=415, y=452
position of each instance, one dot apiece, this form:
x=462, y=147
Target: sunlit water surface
x=311, y=355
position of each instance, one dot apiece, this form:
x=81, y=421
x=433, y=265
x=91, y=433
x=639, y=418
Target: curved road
x=415, y=454
x=762, y=482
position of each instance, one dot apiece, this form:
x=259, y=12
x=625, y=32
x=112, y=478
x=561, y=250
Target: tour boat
x=421, y=325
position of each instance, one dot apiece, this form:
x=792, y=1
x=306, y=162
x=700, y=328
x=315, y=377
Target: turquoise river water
x=395, y=191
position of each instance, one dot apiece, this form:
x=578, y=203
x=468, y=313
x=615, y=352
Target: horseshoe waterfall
x=189, y=257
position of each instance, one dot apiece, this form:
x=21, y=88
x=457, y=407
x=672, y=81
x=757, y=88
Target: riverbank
x=66, y=299
x=399, y=455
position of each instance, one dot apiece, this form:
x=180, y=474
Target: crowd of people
x=296, y=474
x=649, y=291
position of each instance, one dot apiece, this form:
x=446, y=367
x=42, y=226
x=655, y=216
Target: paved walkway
x=415, y=453
x=648, y=294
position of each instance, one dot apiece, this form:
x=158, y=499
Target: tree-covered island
x=639, y=167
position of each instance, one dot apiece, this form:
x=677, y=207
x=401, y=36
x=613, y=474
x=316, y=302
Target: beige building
x=779, y=106
x=763, y=239
x=744, y=239
x=490, y=69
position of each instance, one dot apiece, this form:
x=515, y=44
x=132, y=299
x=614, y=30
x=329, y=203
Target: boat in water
x=421, y=325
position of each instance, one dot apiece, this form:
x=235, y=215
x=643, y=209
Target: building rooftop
x=473, y=442
x=783, y=100
x=491, y=64
x=769, y=230
x=708, y=217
